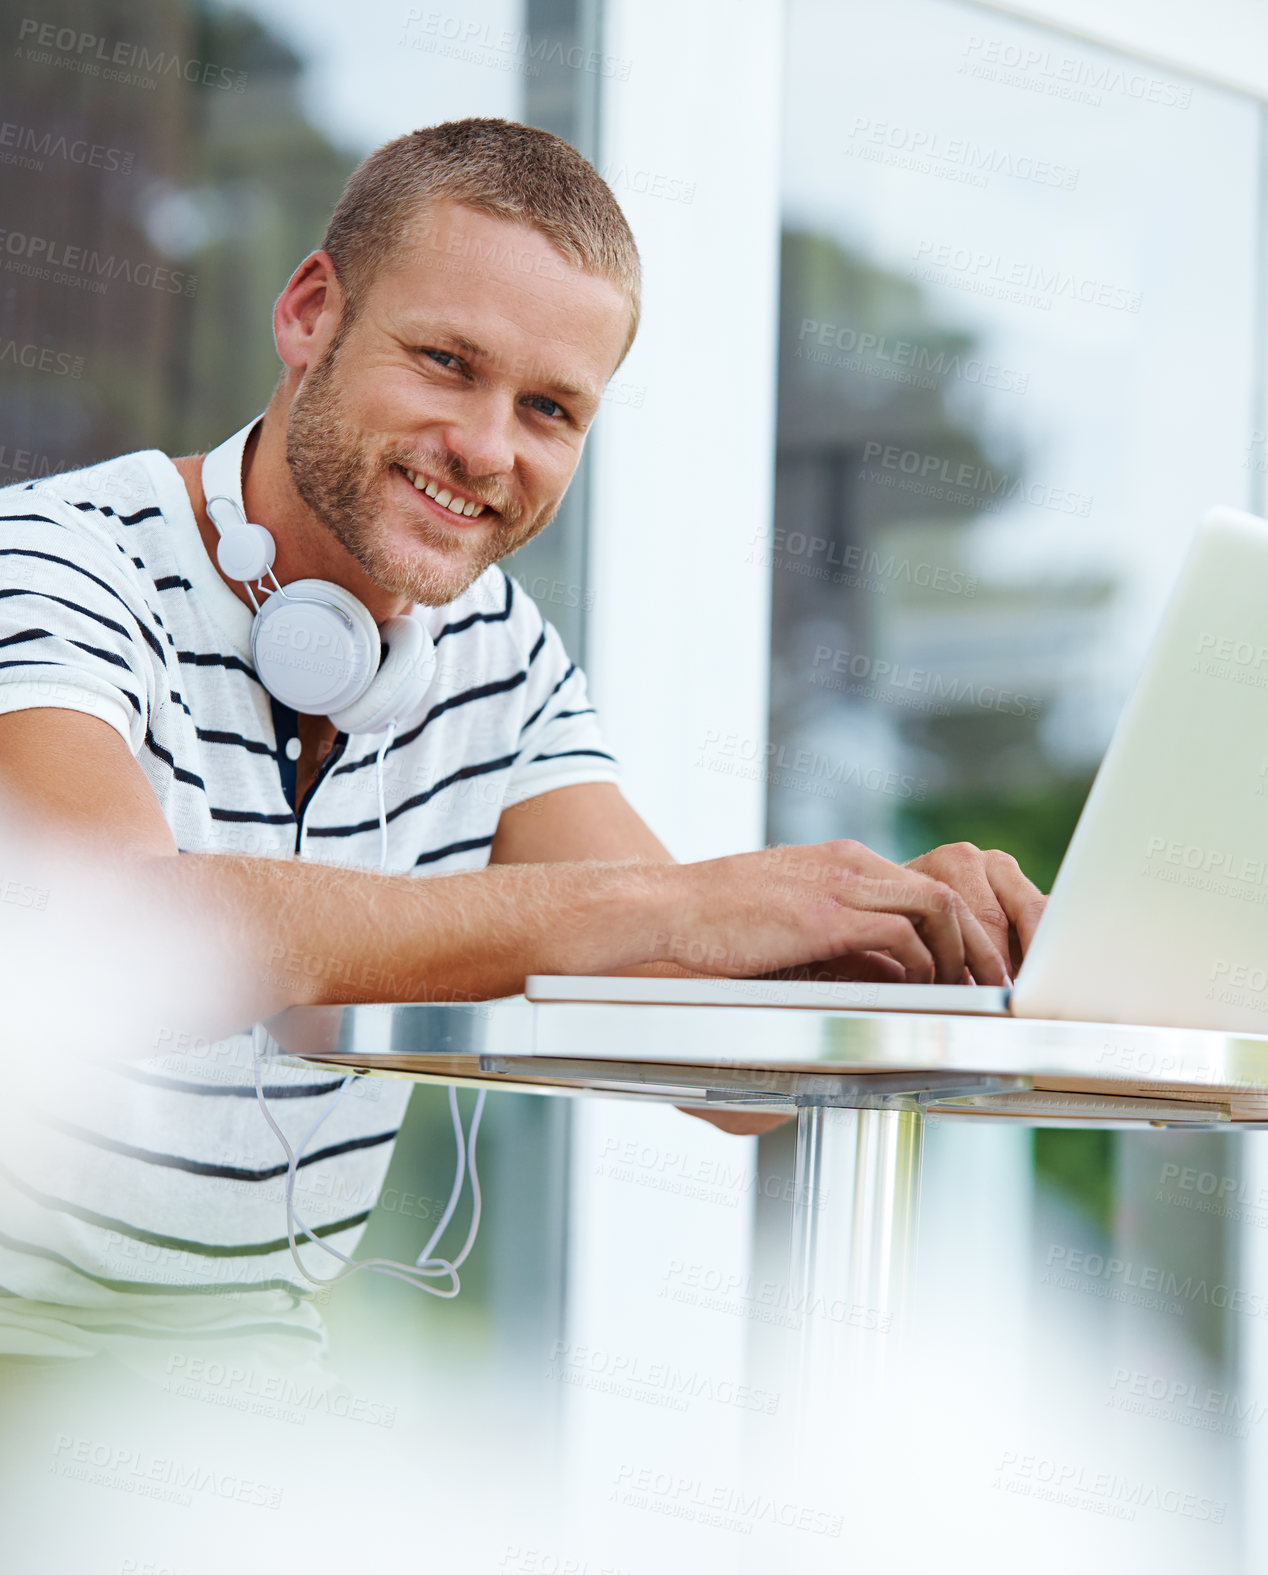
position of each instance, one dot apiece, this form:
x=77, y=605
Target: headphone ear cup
x=315, y=647
x=245, y=551
x=395, y=691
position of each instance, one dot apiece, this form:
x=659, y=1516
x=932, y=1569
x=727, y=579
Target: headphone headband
x=316, y=649
x=222, y=472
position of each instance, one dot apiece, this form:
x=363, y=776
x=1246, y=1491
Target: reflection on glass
x=1020, y=283
x=150, y=223
x=1006, y=394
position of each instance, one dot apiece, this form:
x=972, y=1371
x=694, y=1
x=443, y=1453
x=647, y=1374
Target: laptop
x=1159, y=913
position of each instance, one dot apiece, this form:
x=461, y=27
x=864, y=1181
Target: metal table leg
x=855, y=1214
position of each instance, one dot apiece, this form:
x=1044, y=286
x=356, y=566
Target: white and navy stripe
x=163, y=1181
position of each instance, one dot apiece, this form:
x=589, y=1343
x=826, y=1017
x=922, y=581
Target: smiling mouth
x=446, y=497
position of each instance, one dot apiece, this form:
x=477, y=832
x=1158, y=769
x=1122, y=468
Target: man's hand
x=747, y=914
x=1005, y=903
x=755, y=913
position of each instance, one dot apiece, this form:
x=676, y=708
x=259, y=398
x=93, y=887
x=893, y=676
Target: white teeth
x=444, y=497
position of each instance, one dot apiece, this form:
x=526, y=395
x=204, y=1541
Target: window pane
x=150, y=222
x=1015, y=367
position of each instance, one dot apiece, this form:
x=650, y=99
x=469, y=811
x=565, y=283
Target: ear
x=307, y=313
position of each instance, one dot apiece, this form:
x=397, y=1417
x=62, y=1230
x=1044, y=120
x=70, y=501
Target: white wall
x=1224, y=41
x=678, y=643
x=678, y=649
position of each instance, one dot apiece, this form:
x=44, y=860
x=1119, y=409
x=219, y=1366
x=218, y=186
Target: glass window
x=1016, y=363
x=1019, y=357
x=152, y=217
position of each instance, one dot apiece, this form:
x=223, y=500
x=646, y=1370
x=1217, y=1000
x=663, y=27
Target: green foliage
x=1034, y=827
x=1079, y=1163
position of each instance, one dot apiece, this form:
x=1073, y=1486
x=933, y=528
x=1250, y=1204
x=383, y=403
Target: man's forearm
x=325, y=934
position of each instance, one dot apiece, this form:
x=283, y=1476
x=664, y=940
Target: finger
x=963, y=867
x=936, y=919
x=865, y=968
x=827, y=861
x=984, y=960
x=954, y=935
x=882, y=931
x=1021, y=899
x=958, y=938
x=932, y=908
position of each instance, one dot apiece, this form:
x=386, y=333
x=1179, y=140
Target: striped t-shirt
x=152, y=1193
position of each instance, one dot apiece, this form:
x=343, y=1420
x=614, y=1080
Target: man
x=444, y=354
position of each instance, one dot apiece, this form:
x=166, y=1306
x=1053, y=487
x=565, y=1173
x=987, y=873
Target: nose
x=481, y=436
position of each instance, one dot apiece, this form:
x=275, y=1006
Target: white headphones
x=314, y=646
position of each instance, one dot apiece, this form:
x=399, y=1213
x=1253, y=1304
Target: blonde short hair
x=498, y=167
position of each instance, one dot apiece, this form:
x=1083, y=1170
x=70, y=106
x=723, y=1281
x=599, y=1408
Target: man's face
x=473, y=369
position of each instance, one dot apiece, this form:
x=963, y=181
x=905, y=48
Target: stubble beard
x=342, y=481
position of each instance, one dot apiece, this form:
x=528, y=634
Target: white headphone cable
x=425, y=1267
x=378, y=780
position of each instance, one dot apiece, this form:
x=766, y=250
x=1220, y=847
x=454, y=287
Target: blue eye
x=442, y=357
x=538, y=400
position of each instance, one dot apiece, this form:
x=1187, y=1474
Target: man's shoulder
x=109, y=520
x=124, y=489
x=493, y=610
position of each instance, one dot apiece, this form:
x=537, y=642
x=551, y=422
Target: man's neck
x=305, y=549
